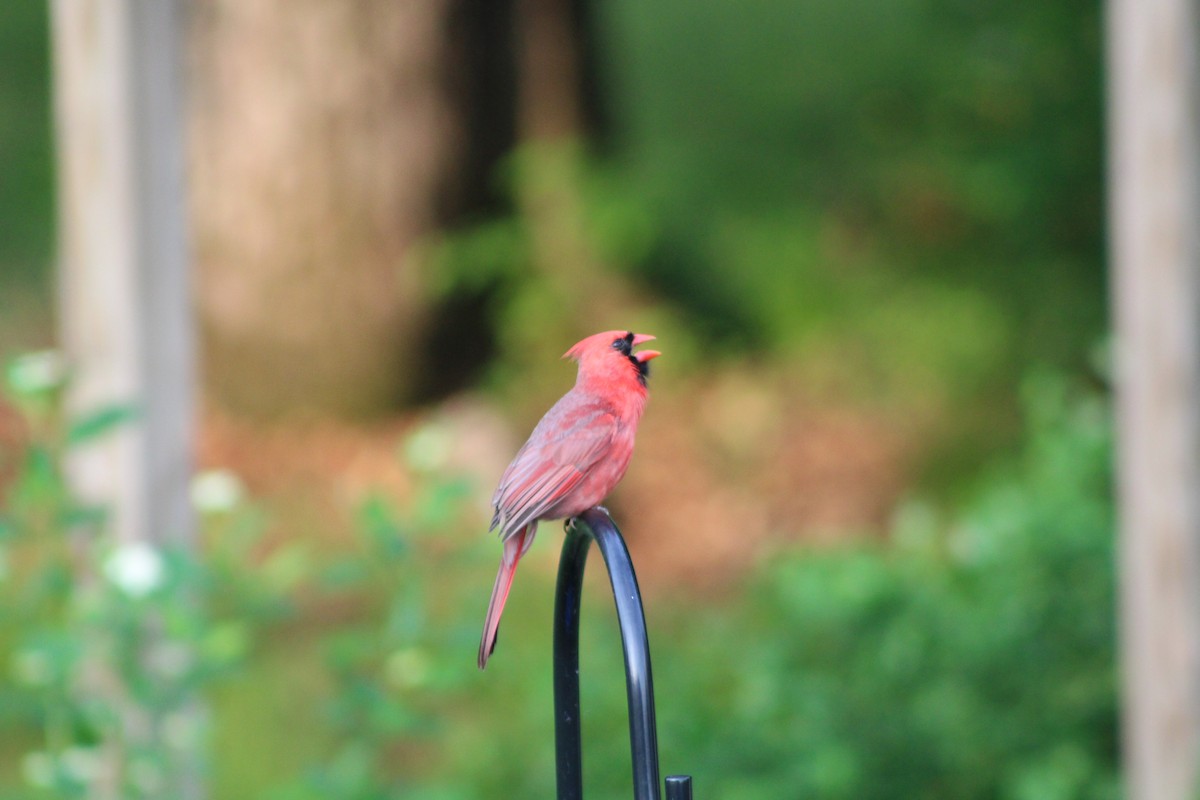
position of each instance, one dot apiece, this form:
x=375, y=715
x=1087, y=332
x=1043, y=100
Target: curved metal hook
x=595, y=524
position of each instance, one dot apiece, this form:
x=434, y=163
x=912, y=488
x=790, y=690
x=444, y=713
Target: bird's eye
x=623, y=344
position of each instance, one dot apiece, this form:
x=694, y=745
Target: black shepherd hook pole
x=643, y=734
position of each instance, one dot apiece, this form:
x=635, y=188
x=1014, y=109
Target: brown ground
x=724, y=470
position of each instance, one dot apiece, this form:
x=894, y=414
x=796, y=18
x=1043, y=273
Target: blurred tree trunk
x=550, y=124
x=327, y=138
x=550, y=70
x=558, y=107
x=1154, y=185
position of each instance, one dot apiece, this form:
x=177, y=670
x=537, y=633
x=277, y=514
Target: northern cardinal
x=574, y=457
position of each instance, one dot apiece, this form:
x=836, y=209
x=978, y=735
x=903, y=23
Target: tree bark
x=325, y=139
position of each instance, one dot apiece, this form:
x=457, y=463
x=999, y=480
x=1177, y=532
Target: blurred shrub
x=893, y=201
x=125, y=665
x=967, y=656
x=104, y=643
x=389, y=668
x=974, y=659
x=27, y=170
x=558, y=267
x=971, y=656
x=879, y=140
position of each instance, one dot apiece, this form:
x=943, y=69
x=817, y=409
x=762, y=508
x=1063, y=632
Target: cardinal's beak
x=644, y=355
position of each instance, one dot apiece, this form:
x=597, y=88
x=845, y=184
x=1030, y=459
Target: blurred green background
x=871, y=506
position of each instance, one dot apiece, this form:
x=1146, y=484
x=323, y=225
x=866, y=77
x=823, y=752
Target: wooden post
x=125, y=310
x=1155, y=212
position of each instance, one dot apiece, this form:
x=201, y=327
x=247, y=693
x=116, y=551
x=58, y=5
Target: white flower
x=146, y=776
x=32, y=667
x=38, y=769
x=83, y=763
x=429, y=448
x=408, y=668
x=169, y=659
x=216, y=490
x=38, y=372
x=183, y=730
x=136, y=569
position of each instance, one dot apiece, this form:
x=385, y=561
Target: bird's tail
x=514, y=548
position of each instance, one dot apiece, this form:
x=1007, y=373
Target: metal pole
x=595, y=524
x=679, y=787
x=639, y=682
x=568, y=727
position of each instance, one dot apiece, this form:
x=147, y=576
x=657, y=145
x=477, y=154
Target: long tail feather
x=514, y=548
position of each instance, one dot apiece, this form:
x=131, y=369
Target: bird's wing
x=556, y=458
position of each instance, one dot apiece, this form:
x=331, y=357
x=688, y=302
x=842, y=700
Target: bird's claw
x=569, y=522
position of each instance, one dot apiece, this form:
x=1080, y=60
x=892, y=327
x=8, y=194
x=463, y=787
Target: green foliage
x=377, y=684
x=105, y=643
x=98, y=423
x=879, y=140
x=966, y=657
x=26, y=170
x=389, y=665
x=904, y=193
x=110, y=646
x=555, y=268
x=973, y=659
x=896, y=201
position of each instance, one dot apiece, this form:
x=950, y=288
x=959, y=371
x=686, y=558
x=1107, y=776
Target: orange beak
x=645, y=355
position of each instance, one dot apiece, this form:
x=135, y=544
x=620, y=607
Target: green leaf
x=8, y=528
x=342, y=573
x=82, y=516
x=36, y=374
x=99, y=422
x=379, y=520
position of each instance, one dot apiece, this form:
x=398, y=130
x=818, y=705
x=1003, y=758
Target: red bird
x=574, y=457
